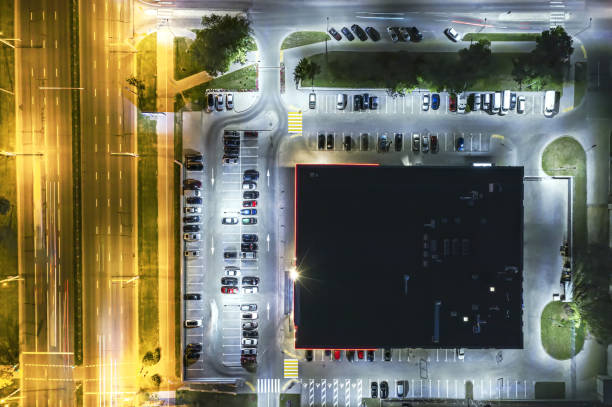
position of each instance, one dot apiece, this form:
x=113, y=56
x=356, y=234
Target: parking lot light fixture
x=492, y=289
x=465, y=319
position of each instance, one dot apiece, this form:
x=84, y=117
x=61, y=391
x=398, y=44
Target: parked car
x=193, y=296
x=229, y=101
x=364, y=142
x=210, y=102
x=193, y=200
x=359, y=32
x=197, y=157
x=399, y=138
x=229, y=290
x=426, y=102
x=229, y=221
x=312, y=100
x=434, y=144
x=357, y=103
x=248, y=247
x=249, y=315
x=416, y=142
x=248, y=307
x=219, y=102
x=190, y=183
x=191, y=219
x=194, y=347
x=374, y=35
x=350, y=355
x=460, y=353
x=192, y=209
x=337, y=354
x=460, y=144
x=249, y=221
x=249, y=238
x=477, y=102
x=332, y=31
x=435, y=101
x=321, y=142
x=250, y=195
x=404, y=33
x=425, y=143
x=347, y=142
x=230, y=254
x=360, y=354
x=374, y=390
x=250, y=185
x=349, y=35
x=251, y=134
x=230, y=160
x=232, y=272
x=249, y=351
x=249, y=204
x=392, y=34
x=249, y=342
x=512, y=100
x=521, y=105
x=330, y=141
x=230, y=281
x=191, y=228
x=192, y=237
x=452, y=102
x=387, y=354
x=341, y=101
x=366, y=101
x=193, y=323
x=486, y=101
x=309, y=355
x=415, y=34
x=250, y=175
x=384, y=390
x=370, y=356
x=462, y=103
x=250, y=290
x=401, y=388
x=374, y=103
x=248, y=255
x=231, y=142
x=250, y=334
x=383, y=143
x=452, y=34
x=249, y=325
x=194, y=166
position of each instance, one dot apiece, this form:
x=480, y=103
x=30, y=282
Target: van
x=495, y=106
x=550, y=100
x=461, y=103
x=341, y=103
x=486, y=101
x=505, y=102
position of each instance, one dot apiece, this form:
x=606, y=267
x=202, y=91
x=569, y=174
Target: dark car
x=191, y=228
x=194, y=157
x=193, y=297
x=387, y=354
x=250, y=334
x=398, y=141
x=347, y=143
x=251, y=134
x=357, y=103
x=366, y=101
x=349, y=35
x=309, y=355
x=434, y=144
x=335, y=34
x=250, y=195
x=364, y=142
x=452, y=102
x=330, y=141
x=231, y=150
x=231, y=133
x=251, y=175
x=327, y=353
x=415, y=34
x=192, y=184
x=435, y=101
x=194, y=166
x=250, y=280
x=512, y=101
x=248, y=238
x=384, y=390
x=191, y=219
x=374, y=390
x=350, y=355
x=359, y=32
x=373, y=102
x=194, y=200
x=194, y=347
x=248, y=359
x=249, y=325
x=230, y=160
x=383, y=143
x=231, y=281
x=231, y=142
x=230, y=255
x=210, y=102
x=373, y=33
x=321, y=142
x=248, y=247
x=370, y=356
x=460, y=144
x=193, y=356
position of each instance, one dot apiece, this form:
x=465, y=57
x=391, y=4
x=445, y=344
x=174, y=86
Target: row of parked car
x=405, y=33
x=491, y=102
x=425, y=143
x=231, y=145
x=192, y=190
x=250, y=337
x=215, y=102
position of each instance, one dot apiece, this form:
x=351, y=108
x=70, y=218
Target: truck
x=505, y=106
x=550, y=100
x=496, y=103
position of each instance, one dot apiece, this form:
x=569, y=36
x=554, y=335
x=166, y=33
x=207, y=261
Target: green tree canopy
x=224, y=39
x=300, y=72
x=553, y=48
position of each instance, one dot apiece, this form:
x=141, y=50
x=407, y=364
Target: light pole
x=592, y=147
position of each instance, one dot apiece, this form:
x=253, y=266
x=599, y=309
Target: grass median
x=556, y=330
x=501, y=36
x=301, y=38
x=244, y=79
x=146, y=66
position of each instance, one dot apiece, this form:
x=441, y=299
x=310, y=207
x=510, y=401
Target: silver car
x=425, y=143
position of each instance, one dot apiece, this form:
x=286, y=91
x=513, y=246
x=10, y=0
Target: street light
x=592, y=147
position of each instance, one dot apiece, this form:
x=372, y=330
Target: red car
x=452, y=102
x=360, y=354
x=434, y=144
x=337, y=354
x=229, y=290
x=249, y=204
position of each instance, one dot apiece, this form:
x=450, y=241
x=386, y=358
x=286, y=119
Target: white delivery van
x=495, y=106
x=550, y=100
x=505, y=106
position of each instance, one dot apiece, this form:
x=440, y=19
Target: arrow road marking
x=268, y=241
x=212, y=245
x=212, y=178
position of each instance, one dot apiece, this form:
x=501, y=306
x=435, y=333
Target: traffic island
x=301, y=38
x=556, y=330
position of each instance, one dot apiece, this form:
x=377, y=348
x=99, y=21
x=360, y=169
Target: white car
x=193, y=323
x=219, y=102
x=230, y=160
x=192, y=237
x=231, y=272
x=341, y=103
x=229, y=221
x=452, y=34
x=192, y=254
x=249, y=185
x=249, y=351
x=460, y=353
x=520, y=106
x=229, y=102
x=425, y=143
x=249, y=315
x=426, y=102
x=476, y=101
x=248, y=307
x=192, y=193
x=192, y=209
x=392, y=34
x=249, y=342
x=461, y=103
x=248, y=255
x=250, y=290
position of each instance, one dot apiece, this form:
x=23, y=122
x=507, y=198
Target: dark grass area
x=556, y=331
x=501, y=36
x=580, y=82
x=148, y=285
x=244, y=79
x=146, y=66
x=382, y=70
x=300, y=38
x=549, y=390
x=563, y=157
x=178, y=149
x=208, y=399
x=292, y=400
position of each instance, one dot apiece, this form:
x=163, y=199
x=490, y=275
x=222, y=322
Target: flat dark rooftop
x=409, y=257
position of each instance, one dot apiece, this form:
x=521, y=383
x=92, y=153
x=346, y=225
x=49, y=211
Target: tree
x=313, y=70
x=9, y=341
x=301, y=71
x=521, y=70
x=553, y=48
x=224, y=39
x=475, y=58
x=137, y=83
x=591, y=280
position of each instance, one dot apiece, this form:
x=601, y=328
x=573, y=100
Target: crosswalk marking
x=294, y=122
x=324, y=393
x=290, y=368
x=268, y=385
